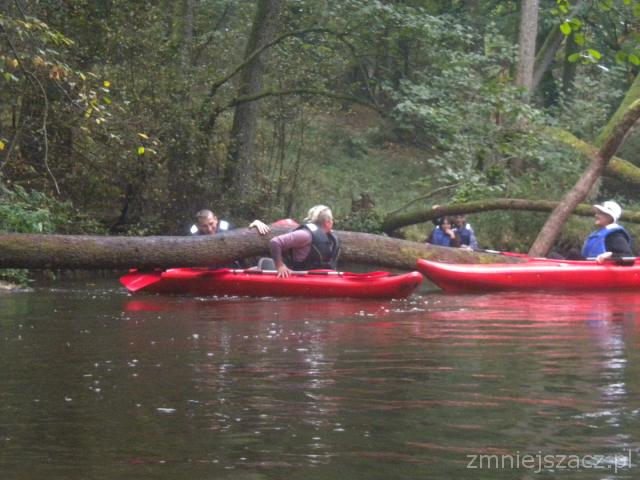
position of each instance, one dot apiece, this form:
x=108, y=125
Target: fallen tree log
x=398, y=220
x=103, y=252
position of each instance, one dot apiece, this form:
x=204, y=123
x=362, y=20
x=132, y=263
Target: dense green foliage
x=122, y=111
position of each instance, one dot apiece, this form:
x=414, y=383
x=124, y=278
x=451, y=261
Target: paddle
x=365, y=275
x=135, y=281
x=622, y=261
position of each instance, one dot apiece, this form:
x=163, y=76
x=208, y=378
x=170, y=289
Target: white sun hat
x=611, y=208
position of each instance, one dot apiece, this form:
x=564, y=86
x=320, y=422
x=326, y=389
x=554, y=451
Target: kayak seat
x=266, y=263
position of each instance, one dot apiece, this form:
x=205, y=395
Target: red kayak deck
x=320, y=283
x=533, y=275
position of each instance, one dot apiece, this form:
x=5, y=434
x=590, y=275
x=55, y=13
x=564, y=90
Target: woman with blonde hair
x=311, y=246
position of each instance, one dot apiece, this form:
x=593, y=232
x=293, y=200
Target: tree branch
x=35, y=82
x=299, y=91
x=424, y=197
x=394, y=221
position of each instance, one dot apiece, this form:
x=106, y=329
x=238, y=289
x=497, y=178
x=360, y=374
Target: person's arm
x=617, y=244
x=456, y=241
x=288, y=241
x=473, y=241
x=262, y=228
x=454, y=236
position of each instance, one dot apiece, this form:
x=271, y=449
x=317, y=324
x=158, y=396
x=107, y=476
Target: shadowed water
x=97, y=384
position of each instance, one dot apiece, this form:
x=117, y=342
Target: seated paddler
x=610, y=240
x=311, y=246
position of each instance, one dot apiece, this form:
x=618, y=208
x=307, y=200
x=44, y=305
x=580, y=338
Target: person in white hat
x=312, y=246
x=610, y=240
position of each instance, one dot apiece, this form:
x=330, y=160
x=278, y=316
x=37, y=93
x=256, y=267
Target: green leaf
x=140, y=150
x=575, y=23
x=565, y=28
x=594, y=53
x=10, y=77
x=574, y=57
x=621, y=56
x=634, y=59
x=579, y=39
x=605, y=5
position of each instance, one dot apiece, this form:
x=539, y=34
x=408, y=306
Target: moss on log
x=102, y=252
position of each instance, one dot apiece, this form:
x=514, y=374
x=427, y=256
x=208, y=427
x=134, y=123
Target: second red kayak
x=257, y=283
x=531, y=275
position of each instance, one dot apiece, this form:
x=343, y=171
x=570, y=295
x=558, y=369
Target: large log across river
x=105, y=252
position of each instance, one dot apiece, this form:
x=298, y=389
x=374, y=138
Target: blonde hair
x=318, y=215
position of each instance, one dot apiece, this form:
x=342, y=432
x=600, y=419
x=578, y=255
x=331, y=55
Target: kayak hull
x=203, y=282
x=532, y=275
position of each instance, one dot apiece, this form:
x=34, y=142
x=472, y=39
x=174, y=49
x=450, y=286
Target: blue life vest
x=440, y=238
x=325, y=248
x=594, y=245
x=465, y=235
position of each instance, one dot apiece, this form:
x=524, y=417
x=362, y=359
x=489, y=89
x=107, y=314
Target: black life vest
x=325, y=248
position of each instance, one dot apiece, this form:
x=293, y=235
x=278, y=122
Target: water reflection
x=99, y=384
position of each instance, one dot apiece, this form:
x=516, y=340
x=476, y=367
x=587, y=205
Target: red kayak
x=261, y=283
x=536, y=274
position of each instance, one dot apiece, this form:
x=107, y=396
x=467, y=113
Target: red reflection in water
x=544, y=308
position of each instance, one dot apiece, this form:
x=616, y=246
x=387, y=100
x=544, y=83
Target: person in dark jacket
x=311, y=246
x=467, y=235
x=610, y=240
x=444, y=235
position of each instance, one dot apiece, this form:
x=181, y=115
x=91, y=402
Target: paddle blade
x=137, y=281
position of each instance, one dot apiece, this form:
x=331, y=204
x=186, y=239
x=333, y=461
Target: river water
x=98, y=384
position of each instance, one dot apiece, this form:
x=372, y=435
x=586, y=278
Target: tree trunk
x=527, y=44
x=631, y=96
x=93, y=252
x=238, y=171
x=546, y=55
x=184, y=191
x=569, y=69
x=187, y=35
x=552, y=228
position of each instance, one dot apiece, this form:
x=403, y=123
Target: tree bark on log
x=102, y=252
x=553, y=226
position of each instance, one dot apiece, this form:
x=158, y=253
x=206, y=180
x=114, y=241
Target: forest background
x=125, y=117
